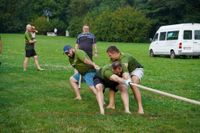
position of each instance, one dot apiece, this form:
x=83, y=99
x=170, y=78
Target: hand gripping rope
x=167, y=94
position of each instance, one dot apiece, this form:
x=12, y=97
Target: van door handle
x=195, y=42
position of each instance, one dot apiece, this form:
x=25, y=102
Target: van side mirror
x=150, y=39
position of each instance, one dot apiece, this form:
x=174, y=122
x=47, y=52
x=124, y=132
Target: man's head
x=68, y=50
x=117, y=68
x=85, y=28
x=28, y=28
x=113, y=52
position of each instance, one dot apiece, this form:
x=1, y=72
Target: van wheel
x=151, y=53
x=172, y=54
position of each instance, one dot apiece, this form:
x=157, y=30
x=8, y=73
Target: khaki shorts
x=139, y=72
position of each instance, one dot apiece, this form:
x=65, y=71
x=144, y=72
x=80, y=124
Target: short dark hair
x=112, y=49
x=116, y=64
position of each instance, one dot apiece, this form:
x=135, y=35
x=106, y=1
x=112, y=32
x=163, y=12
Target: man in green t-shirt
x=30, y=48
x=85, y=67
x=135, y=70
x=110, y=76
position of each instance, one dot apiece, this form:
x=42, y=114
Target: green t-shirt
x=129, y=60
x=78, y=62
x=106, y=72
x=28, y=37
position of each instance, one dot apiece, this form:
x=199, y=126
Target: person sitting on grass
x=85, y=67
x=135, y=70
x=111, y=76
x=30, y=48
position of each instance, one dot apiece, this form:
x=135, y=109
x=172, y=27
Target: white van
x=175, y=40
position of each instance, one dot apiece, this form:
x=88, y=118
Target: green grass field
x=42, y=101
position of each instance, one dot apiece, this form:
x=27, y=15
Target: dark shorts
x=107, y=83
x=30, y=53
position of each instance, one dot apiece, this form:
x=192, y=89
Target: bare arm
x=76, y=46
x=89, y=62
x=125, y=80
x=32, y=41
x=117, y=79
x=95, y=52
x=126, y=75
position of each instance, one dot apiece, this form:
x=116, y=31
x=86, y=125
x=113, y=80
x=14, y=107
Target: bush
x=60, y=25
x=122, y=25
x=42, y=25
x=75, y=26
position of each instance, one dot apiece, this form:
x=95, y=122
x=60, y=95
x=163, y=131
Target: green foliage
x=100, y=24
x=75, y=26
x=124, y=24
x=14, y=14
x=60, y=25
x=79, y=8
x=42, y=25
x=164, y=12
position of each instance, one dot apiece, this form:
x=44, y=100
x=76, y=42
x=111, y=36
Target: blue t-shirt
x=85, y=42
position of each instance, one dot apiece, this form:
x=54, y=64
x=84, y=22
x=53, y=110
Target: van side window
x=197, y=34
x=162, y=36
x=187, y=35
x=155, y=38
x=172, y=35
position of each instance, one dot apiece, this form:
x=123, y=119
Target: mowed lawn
x=42, y=101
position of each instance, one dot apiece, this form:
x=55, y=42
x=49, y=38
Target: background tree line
x=110, y=20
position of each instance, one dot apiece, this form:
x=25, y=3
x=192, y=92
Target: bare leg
x=137, y=94
x=25, y=65
x=37, y=63
x=80, y=79
x=92, y=88
x=124, y=97
x=74, y=85
x=111, y=104
x=100, y=97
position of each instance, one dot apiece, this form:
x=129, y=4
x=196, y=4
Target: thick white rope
x=167, y=94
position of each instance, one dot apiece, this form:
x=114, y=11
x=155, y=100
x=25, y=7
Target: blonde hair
x=28, y=26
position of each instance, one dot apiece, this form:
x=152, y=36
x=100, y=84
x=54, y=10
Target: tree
x=125, y=24
x=42, y=25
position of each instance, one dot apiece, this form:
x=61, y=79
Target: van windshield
x=172, y=35
x=155, y=38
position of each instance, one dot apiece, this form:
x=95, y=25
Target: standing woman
x=30, y=48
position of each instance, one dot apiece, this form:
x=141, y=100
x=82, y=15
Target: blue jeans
x=88, y=77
